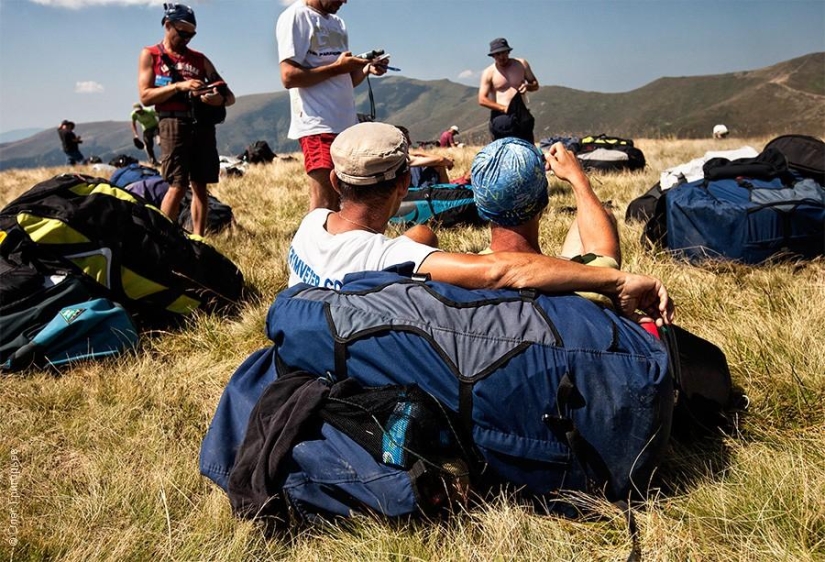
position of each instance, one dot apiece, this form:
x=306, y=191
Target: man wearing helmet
x=372, y=175
x=171, y=76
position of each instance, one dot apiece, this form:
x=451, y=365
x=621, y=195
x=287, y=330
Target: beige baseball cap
x=369, y=153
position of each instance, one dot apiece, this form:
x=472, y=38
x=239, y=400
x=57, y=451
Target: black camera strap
x=174, y=74
x=372, y=99
x=167, y=60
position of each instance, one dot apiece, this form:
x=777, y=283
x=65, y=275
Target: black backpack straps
x=174, y=74
x=569, y=398
x=340, y=359
x=372, y=99
x=632, y=529
x=465, y=404
x=173, y=70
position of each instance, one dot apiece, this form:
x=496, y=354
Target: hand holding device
x=382, y=60
x=369, y=55
x=212, y=87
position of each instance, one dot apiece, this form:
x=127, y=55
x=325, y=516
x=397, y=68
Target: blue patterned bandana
x=509, y=182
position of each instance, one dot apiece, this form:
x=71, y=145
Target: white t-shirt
x=311, y=39
x=323, y=259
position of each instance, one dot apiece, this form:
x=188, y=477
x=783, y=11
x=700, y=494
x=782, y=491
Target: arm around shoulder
x=517, y=270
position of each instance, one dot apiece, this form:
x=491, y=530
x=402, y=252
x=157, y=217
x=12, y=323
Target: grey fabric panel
x=604, y=155
x=475, y=336
x=805, y=190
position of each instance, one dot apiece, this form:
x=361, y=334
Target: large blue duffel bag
x=749, y=210
x=748, y=220
x=555, y=391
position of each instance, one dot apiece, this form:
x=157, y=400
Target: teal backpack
x=92, y=329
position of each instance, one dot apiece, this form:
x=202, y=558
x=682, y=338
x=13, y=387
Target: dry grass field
x=101, y=463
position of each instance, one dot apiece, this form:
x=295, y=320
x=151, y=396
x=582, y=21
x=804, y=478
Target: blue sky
x=77, y=59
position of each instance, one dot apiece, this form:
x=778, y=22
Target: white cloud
x=467, y=74
x=88, y=87
x=77, y=4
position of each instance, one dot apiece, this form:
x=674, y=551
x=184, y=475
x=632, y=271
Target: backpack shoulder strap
x=173, y=71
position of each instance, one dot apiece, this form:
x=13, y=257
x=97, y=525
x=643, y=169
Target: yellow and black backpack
x=145, y=261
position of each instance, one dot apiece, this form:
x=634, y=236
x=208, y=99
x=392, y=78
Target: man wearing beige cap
x=371, y=175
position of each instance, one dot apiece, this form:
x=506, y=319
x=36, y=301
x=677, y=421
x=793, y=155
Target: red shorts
x=316, y=151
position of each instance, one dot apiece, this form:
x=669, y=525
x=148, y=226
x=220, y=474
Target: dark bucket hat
x=499, y=45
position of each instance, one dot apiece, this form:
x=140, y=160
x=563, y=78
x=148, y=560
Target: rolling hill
x=783, y=98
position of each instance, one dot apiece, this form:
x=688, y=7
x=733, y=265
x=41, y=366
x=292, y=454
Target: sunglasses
x=185, y=34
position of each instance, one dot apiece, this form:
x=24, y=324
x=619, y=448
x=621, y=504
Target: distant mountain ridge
x=18, y=134
x=788, y=97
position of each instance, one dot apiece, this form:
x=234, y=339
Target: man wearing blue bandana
x=510, y=190
x=371, y=174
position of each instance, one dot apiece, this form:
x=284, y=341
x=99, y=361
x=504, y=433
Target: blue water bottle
x=395, y=435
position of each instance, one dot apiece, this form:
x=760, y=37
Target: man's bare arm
x=531, y=83
x=422, y=160
x=293, y=75
x=225, y=97
x=422, y=234
x=595, y=227
x=553, y=275
x=148, y=93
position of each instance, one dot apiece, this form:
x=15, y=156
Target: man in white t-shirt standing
x=320, y=73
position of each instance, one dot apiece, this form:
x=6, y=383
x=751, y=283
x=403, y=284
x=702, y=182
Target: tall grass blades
x=102, y=462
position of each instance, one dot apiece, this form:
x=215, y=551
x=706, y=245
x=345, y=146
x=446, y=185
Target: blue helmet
x=178, y=12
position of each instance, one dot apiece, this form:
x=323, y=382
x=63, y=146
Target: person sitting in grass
x=371, y=175
x=510, y=190
x=426, y=169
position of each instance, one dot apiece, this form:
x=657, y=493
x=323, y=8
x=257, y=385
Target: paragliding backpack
x=56, y=319
x=122, y=160
x=748, y=210
x=805, y=155
x=148, y=263
x=258, y=152
x=446, y=203
x=556, y=392
x=318, y=449
x=219, y=215
x=606, y=153
x=82, y=331
x=132, y=173
x=334, y=472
